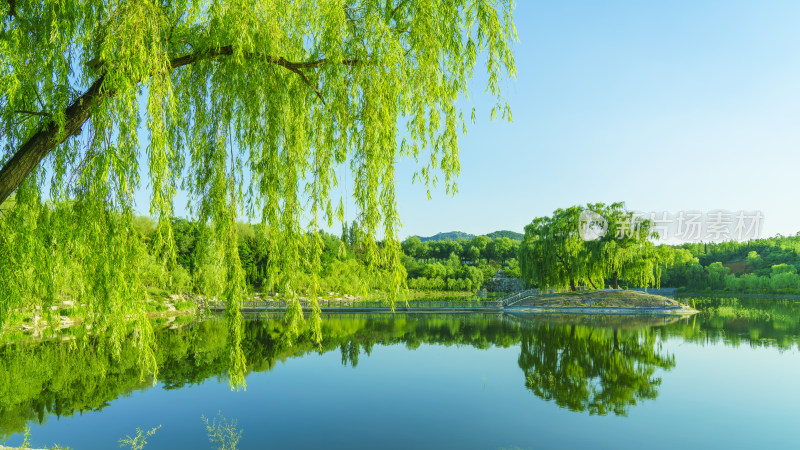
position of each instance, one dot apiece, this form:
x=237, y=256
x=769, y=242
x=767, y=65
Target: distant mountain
x=454, y=235
x=461, y=236
x=513, y=235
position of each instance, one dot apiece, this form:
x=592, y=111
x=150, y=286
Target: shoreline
x=724, y=294
x=603, y=310
x=606, y=302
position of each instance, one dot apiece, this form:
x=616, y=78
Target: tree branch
x=32, y=113
x=396, y=8
x=308, y=82
x=31, y=153
x=279, y=61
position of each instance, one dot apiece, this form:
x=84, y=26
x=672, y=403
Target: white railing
x=519, y=296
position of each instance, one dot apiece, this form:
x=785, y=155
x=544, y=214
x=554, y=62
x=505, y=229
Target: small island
x=610, y=301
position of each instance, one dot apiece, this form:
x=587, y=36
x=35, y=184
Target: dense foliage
x=561, y=251
x=250, y=107
x=463, y=265
x=768, y=265
x=556, y=253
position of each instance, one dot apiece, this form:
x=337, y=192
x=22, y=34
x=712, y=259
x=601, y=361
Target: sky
x=670, y=107
x=667, y=106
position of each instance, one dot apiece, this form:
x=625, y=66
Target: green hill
x=461, y=236
x=513, y=235
x=454, y=235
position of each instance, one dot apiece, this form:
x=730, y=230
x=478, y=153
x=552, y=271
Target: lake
x=727, y=377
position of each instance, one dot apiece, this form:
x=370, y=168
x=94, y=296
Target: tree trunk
x=615, y=280
x=572, y=285
x=31, y=153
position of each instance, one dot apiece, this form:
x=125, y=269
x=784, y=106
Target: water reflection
x=747, y=321
x=595, y=365
x=592, y=369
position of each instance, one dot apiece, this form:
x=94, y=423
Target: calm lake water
x=726, y=378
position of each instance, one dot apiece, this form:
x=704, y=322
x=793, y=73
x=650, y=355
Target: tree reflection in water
x=592, y=369
x=591, y=364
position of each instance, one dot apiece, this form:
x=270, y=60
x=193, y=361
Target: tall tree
x=412, y=247
x=250, y=106
x=555, y=252
x=625, y=250
x=480, y=243
x=552, y=252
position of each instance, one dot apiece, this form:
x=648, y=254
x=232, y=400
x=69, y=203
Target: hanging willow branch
x=38, y=146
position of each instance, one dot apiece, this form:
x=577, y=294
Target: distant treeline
x=461, y=236
x=462, y=265
x=768, y=265
x=600, y=245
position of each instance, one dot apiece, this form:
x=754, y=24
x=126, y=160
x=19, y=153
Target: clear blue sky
x=668, y=106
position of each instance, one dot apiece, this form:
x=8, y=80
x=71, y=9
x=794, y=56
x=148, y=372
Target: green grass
x=613, y=299
x=70, y=312
x=184, y=304
x=157, y=307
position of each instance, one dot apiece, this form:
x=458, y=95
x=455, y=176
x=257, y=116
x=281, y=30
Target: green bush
x=184, y=304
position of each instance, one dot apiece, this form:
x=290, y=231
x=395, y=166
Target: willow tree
x=250, y=107
x=556, y=252
x=553, y=254
x=626, y=249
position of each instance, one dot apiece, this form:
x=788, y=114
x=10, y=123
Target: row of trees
x=342, y=268
x=463, y=265
x=772, y=251
x=449, y=275
x=470, y=251
x=558, y=251
x=757, y=274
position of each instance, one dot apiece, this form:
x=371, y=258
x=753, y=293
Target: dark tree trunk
x=615, y=280
x=572, y=285
x=31, y=153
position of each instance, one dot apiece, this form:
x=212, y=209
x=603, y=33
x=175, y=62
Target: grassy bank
x=607, y=299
